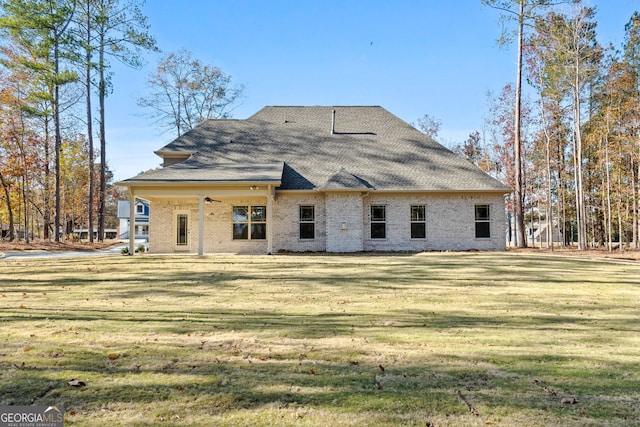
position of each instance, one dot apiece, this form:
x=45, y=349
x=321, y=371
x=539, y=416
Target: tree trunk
x=5, y=186
x=608, y=185
x=89, y=126
x=521, y=241
x=577, y=153
x=58, y=136
x=103, y=157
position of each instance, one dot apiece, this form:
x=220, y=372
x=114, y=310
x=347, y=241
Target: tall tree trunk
x=58, y=136
x=634, y=206
x=103, y=143
x=608, y=186
x=521, y=241
x=46, y=213
x=577, y=152
x=89, y=125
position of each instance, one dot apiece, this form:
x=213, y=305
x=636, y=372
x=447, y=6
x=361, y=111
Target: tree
x=40, y=26
x=184, y=92
x=429, y=125
x=122, y=34
x=575, y=58
x=523, y=12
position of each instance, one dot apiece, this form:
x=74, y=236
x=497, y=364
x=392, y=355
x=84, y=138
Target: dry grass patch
x=455, y=339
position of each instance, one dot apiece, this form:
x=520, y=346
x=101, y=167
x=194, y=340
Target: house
x=141, y=221
x=335, y=179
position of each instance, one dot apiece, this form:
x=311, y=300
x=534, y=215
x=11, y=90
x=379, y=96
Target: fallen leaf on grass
x=113, y=356
x=77, y=383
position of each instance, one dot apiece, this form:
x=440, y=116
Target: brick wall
x=342, y=223
x=450, y=223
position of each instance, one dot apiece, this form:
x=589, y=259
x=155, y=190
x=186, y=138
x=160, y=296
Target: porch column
x=269, y=220
x=132, y=222
x=201, y=225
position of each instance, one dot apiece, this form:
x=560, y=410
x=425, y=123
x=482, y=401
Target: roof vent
x=333, y=121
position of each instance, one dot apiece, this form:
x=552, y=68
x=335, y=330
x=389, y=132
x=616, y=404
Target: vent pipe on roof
x=333, y=122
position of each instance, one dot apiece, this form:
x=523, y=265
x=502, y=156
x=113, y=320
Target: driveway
x=61, y=254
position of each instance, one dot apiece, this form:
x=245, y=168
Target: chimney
x=333, y=122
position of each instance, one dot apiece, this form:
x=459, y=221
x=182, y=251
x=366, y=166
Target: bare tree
x=429, y=125
x=184, y=92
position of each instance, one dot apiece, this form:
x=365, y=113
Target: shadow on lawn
x=399, y=394
x=211, y=374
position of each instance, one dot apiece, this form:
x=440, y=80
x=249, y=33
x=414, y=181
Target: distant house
x=141, y=215
x=335, y=179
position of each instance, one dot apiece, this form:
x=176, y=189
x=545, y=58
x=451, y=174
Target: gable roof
x=358, y=148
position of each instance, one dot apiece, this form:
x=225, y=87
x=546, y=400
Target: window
x=378, y=222
x=483, y=223
x=182, y=229
x=307, y=222
x=249, y=222
x=140, y=208
x=418, y=222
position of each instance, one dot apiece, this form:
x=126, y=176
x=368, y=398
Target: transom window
x=378, y=222
x=418, y=222
x=249, y=222
x=483, y=222
x=307, y=222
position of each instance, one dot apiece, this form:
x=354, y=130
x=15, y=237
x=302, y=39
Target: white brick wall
x=342, y=223
x=286, y=221
x=450, y=222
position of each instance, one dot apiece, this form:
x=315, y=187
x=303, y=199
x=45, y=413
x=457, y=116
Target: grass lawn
x=435, y=339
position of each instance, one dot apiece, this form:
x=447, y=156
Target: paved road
x=60, y=254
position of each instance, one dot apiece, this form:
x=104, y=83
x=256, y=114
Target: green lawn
x=440, y=339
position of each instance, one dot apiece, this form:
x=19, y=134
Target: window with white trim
x=418, y=222
x=307, y=222
x=483, y=222
x=249, y=222
x=378, y=222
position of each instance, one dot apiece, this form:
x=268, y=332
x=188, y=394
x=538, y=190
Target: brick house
x=335, y=179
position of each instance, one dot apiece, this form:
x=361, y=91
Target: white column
x=200, y=225
x=269, y=220
x=132, y=222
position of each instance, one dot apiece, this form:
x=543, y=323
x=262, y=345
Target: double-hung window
x=249, y=222
x=307, y=222
x=378, y=222
x=418, y=222
x=483, y=222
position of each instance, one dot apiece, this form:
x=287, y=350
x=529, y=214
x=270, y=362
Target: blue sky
x=411, y=57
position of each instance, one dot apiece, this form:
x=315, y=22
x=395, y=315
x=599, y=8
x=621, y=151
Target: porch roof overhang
x=221, y=180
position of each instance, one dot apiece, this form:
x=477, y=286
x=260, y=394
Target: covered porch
x=195, y=210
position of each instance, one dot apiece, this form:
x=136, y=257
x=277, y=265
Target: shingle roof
x=369, y=148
